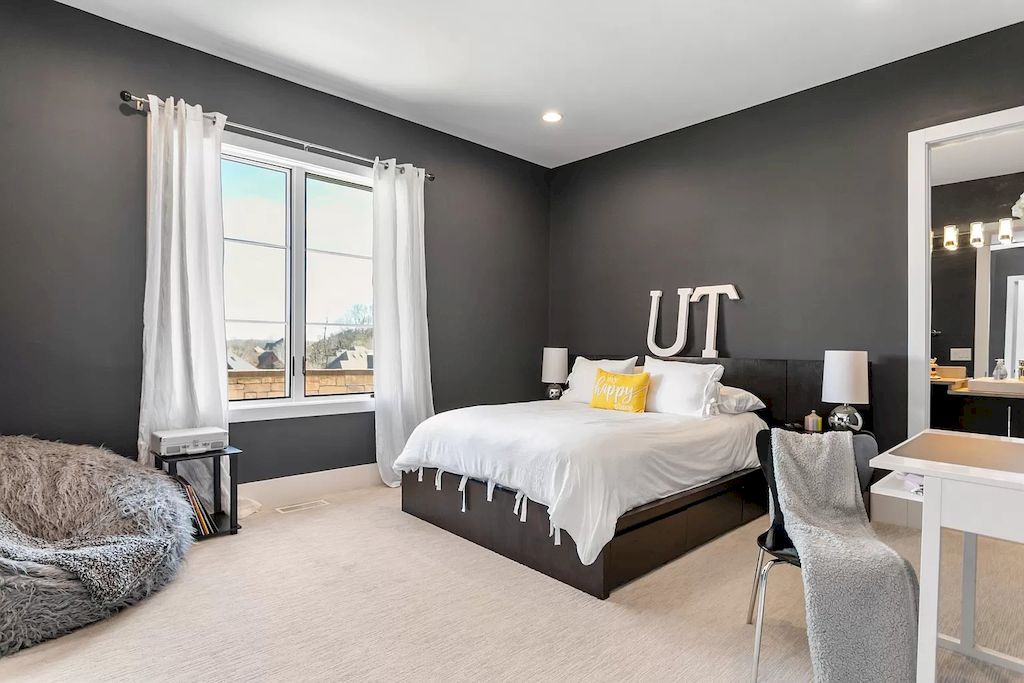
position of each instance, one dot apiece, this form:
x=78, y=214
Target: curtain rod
x=141, y=103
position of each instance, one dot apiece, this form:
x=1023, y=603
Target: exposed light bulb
x=977, y=234
x=1006, y=230
x=552, y=116
x=950, y=238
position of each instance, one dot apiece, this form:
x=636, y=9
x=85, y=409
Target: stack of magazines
x=912, y=482
x=203, y=522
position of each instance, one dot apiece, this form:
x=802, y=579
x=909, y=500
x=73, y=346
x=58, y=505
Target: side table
x=226, y=523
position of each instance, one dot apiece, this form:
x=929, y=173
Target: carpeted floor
x=360, y=591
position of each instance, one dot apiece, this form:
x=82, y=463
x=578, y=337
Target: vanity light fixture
x=552, y=116
x=1006, y=230
x=977, y=234
x=950, y=238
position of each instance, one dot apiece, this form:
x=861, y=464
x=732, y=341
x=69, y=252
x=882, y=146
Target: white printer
x=191, y=441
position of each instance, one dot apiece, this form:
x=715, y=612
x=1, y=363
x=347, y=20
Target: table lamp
x=845, y=381
x=555, y=370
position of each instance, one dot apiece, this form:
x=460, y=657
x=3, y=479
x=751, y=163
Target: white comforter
x=588, y=466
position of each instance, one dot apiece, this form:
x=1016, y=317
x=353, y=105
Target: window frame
x=299, y=163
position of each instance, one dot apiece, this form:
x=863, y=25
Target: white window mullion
x=298, y=282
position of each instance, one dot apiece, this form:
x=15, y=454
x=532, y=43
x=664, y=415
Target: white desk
x=974, y=483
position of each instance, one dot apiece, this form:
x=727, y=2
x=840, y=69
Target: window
x=298, y=293
x=339, y=291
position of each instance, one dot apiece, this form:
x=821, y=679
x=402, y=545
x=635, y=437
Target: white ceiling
x=620, y=72
x=983, y=156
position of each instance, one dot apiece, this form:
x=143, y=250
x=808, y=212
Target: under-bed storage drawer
x=643, y=548
x=713, y=518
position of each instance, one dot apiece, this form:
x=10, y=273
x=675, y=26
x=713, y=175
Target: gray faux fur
x=94, y=532
x=860, y=595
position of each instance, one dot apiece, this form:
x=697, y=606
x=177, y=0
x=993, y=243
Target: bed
x=589, y=497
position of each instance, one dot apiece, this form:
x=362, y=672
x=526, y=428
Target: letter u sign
x=686, y=295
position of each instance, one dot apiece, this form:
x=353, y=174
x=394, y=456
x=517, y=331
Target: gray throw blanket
x=108, y=567
x=860, y=595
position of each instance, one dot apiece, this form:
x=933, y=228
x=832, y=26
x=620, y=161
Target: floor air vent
x=298, y=507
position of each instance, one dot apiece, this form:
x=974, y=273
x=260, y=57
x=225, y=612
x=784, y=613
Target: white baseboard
x=275, y=493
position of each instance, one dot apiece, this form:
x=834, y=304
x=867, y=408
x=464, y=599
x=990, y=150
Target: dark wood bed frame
x=646, y=537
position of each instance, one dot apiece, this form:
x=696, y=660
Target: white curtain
x=184, y=366
x=401, y=356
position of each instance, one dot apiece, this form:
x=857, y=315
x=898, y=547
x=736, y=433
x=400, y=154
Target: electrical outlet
x=960, y=354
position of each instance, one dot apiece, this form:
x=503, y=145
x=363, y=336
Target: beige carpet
x=360, y=591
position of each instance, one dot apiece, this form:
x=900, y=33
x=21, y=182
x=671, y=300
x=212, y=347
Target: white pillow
x=584, y=373
x=733, y=401
x=682, y=388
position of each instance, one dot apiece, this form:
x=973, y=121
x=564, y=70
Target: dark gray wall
x=953, y=283
x=72, y=253
x=985, y=199
x=800, y=202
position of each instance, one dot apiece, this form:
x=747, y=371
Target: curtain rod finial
x=126, y=96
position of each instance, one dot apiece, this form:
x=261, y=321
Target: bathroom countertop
x=964, y=391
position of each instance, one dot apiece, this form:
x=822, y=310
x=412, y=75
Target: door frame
x=919, y=144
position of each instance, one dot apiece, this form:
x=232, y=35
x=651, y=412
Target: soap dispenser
x=999, y=372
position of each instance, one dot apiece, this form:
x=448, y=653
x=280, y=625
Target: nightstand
x=797, y=427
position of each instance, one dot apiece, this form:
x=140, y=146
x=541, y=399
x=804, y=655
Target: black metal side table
x=226, y=523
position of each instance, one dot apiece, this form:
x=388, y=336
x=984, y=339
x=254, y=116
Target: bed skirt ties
x=520, y=507
x=462, y=489
x=554, y=531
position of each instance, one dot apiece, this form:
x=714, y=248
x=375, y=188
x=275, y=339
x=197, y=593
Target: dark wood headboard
x=790, y=389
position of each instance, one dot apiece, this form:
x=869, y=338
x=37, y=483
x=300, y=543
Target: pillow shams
x=584, y=372
x=733, y=401
x=682, y=388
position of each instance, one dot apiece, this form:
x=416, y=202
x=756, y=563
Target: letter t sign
x=712, y=292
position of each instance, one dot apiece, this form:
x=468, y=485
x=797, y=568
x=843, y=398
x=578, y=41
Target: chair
x=61, y=497
x=775, y=541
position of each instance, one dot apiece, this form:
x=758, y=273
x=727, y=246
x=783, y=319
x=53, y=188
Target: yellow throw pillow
x=614, y=391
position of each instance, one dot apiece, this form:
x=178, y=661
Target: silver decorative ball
x=845, y=418
x=554, y=391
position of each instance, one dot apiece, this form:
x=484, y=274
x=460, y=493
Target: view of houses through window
x=271, y=211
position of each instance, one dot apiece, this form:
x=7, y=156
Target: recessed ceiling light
x=552, y=116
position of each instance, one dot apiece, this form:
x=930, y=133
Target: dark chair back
x=864, y=448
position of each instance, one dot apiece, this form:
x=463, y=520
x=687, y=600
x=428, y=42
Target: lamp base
x=554, y=391
x=845, y=418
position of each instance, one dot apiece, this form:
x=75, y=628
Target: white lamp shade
x=950, y=237
x=556, y=366
x=845, y=379
x=977, y=234
x=1006, y=230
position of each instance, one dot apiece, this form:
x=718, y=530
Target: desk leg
x=931, y=547
x=966, y=644
x=968, y=587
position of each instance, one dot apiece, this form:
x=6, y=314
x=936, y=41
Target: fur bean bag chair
x=83, y=533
